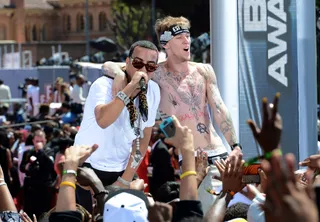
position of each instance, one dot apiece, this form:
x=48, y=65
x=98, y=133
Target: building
x=40, y=24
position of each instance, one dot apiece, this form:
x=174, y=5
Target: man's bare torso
x=184, y=95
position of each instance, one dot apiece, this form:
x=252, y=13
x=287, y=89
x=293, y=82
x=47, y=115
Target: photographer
x=40, y=177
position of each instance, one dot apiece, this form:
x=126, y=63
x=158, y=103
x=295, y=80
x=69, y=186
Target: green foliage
x=318, y=3
x=130, y=23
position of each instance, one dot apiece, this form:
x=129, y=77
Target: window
x=27, y=33
x=102, y=21
x=90, y=22
x=80, y=22
x=34, y=33
x=3, y=32
x=66, y=23
x=44, y=33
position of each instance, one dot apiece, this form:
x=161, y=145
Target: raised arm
x=220, y=111
x=107, y=113
x=114, y=70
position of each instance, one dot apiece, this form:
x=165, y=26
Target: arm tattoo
x=226, y=128
x=226, y=125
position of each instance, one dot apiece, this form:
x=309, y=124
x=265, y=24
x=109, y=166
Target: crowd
x=282, y=194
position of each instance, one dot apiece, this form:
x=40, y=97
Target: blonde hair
x=165, y=23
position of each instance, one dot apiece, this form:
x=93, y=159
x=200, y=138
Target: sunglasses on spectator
x=139, y=64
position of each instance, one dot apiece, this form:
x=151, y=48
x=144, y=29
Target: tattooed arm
x=220, y=111
x=112, y=69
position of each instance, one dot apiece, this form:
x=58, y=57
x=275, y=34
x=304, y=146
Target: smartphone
x=251, y=174
x=167, y=127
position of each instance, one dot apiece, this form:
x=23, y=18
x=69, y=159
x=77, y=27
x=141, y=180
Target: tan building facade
x=40, y=24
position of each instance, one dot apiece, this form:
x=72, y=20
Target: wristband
x=235, y=145
x=268, y=155
x=3, y=184
x=123, y=181
x=123, y=97
x=69, y=172
x=100, y=192
x=67, y=183
x=188, y=173
x=1, y=179
x=231, y=193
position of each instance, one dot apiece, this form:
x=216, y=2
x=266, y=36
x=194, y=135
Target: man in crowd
x=5, y=93
x=40, y=177
x=33, y=97
x=187, y=89
x=121, y=125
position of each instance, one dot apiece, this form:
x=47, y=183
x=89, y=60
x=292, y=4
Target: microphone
x=143, y=85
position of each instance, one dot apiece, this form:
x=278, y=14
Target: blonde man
x=187, y=88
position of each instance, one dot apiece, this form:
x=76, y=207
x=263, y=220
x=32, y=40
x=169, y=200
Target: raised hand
x=201, y=165
x=76, y=155
x=138, y=185
x=183, y=138
x=313, y=162
x=231, y=174
x=269, y=135
x=286, y=200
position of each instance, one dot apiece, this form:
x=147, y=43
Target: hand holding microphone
x=139, y=80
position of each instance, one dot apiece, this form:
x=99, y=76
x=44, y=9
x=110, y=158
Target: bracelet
x=69, y=172
x=188, y=173
x=1, y=179
x=100, y=192
x=235, y=145
x=67, y=183
x=123, y=181
x=3, y=183
x=268, y=155
x=210, y=191
x=231, y=193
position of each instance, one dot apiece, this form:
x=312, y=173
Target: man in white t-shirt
x=122, y=136
x=33, y=97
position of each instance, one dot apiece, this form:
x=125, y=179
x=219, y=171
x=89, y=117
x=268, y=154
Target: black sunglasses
x=139, y=64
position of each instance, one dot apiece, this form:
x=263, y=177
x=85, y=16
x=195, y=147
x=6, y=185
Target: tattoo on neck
x=202, y=128
x=173, y=100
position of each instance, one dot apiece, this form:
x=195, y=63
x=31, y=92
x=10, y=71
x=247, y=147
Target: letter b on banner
x=255, y=15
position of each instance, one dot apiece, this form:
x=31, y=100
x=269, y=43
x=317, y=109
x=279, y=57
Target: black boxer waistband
x=211, y=159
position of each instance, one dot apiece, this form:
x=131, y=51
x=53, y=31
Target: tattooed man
x=187, y=89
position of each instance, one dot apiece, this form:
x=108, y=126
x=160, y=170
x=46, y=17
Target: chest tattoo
x=189, y=89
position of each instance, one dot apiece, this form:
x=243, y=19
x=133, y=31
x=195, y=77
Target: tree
x=130, y=23
x=198, y=11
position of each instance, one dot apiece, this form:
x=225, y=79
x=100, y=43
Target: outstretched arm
x=220, y=111
x=112, y=69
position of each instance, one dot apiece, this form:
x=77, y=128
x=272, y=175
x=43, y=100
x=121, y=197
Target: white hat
x=126, y=205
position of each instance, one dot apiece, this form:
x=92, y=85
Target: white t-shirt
x=33, y=92
x=76, y=95
x=115, y=141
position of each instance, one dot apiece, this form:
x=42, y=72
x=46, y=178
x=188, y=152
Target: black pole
x=87, y=30
x=153, y=20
